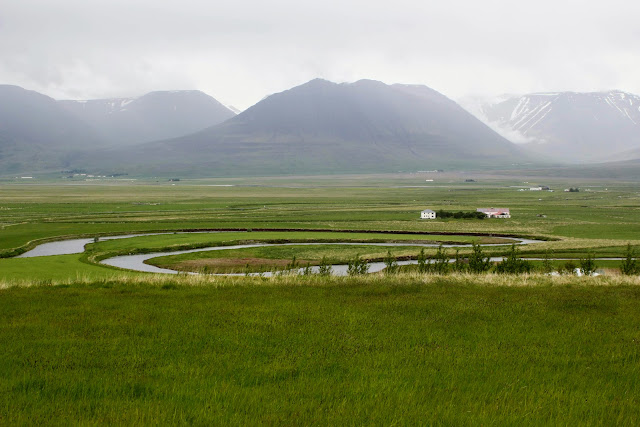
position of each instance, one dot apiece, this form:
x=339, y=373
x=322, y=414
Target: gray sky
x=239, y=51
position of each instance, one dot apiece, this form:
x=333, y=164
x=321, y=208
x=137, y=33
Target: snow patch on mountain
x=476, y=105
x=592, y=124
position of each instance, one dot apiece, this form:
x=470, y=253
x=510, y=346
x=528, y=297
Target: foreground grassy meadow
x=344, y=351
x=89, y=344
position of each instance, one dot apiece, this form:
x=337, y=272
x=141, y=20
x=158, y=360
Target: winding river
x=137, y=262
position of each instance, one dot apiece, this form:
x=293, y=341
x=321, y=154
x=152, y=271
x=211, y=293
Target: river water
x=76, y=246
x=137, y=262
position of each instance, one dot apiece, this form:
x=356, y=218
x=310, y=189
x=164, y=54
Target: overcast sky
x=238, y=51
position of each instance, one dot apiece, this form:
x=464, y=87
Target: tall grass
x=405, y=349
x=399, y=278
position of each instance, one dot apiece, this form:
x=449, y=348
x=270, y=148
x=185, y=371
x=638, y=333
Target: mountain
x=156, y=115
x=627, y=170
x=568, y=126
x=324, y=127
x=626, y=155
x=36, y=133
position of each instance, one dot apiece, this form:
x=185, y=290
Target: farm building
x=495, y=212
x=428, y=214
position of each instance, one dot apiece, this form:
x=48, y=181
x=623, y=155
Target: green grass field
x=276, y=258
x=347, y=351
x=90, y=344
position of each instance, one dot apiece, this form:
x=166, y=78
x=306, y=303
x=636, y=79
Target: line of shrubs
x=460, y=215
x=476, y=263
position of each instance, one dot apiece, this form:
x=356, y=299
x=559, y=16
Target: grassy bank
x=35, y=212
x=405, y=349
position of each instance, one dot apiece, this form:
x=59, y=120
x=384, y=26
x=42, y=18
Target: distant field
x=600, y=219
x=32, y=211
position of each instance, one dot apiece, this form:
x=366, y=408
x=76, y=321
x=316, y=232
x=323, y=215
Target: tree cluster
x=513, y=264
x=476, y=262
x=460, y=215
x=440, y=262
x=630, y=265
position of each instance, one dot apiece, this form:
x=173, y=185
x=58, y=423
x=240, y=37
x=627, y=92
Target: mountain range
x=570, y=126
x=324, y=127
x=154, y=116
x=38, y=133
x=319, y=127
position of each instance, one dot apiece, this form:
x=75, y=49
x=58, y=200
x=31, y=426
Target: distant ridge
x=156, y=115
x=36, y=133
x=626, y=155
x=569, y=126
x=324, y=127
x=627, y=170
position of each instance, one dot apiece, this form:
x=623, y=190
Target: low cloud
x=240, y=51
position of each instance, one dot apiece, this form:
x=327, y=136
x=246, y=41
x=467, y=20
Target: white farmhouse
x=428, y=214
x=495, y=212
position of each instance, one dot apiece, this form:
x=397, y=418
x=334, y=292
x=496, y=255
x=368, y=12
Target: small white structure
x=428, y=214
x=495, y=212
x=535, y=189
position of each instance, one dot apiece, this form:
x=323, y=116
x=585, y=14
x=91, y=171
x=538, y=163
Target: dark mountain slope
x=323, y=127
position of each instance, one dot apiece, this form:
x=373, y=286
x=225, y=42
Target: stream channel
x=137, y=262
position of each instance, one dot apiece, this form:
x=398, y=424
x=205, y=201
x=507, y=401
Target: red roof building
x=495, y=212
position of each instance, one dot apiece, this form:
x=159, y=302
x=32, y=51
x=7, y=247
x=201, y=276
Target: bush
x=357, y=266
x=588, y=265
x=423, y=265
x=568, y=268
x=391, y=264
x=459, y=265
x=477, y=262
x=306, y=271
x=629, y=265
x=440, y=261
x=513, y=264
x=547, y=266
x=324, y=268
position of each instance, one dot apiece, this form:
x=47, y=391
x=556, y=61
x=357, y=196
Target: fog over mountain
x=569, y=126
x=156, y=115
x=241, y=50
x=626, y=155
x=36, y=133
x=324, y=127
